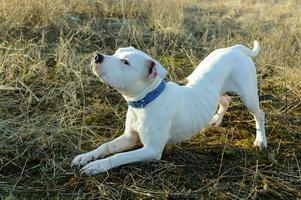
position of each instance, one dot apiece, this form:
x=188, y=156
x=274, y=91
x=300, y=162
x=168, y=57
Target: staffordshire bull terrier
x=161, y=113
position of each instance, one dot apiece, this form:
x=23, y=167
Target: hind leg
x=224, y=102
x=242, y=81
x=252, y=103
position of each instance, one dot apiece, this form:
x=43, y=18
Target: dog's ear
x=154, y=69
x=162, y=72
x=151, y=69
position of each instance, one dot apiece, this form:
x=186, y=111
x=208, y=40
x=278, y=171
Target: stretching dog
x=161, y=113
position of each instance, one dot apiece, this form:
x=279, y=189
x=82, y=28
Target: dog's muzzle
x=99, y=58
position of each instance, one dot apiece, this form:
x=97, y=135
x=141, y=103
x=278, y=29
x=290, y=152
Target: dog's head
x=129, y=70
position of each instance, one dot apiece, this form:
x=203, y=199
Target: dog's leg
x=251, y=101
x=224, y=102
x=259, y=116
x=154, y=137
x=260, y=140
x=103, y=165
x=122, y=143
x=243, y=82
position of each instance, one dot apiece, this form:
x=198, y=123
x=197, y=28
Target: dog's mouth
x=99, y=73
x=95, y=68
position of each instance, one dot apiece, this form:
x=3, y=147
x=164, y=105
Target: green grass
x=52, y=107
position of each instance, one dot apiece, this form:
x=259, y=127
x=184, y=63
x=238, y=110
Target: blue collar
x=149, y=97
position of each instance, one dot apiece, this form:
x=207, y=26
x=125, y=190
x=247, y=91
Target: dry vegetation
x=52, y=108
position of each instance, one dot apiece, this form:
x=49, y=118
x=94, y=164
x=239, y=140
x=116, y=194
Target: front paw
x=97, y=167
x=83, y=159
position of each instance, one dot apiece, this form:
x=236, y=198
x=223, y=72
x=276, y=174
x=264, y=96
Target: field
x=53, y=108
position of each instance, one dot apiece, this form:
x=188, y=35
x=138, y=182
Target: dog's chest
x=136, y=125
x=176, y=118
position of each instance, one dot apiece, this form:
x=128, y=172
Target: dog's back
x=213, y=66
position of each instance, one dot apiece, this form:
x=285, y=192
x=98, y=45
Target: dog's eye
x=125, y=61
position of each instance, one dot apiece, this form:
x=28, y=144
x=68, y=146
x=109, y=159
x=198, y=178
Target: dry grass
x=52, y=108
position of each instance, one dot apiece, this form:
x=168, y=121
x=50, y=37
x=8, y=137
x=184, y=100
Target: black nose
x=98, y=58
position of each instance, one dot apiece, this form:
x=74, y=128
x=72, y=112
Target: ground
x=53, y=108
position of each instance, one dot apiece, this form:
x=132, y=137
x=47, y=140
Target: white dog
x=160, y=113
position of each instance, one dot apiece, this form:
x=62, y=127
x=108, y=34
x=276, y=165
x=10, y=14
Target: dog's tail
x=252, y=53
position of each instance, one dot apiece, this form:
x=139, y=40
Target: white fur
x=180, y=111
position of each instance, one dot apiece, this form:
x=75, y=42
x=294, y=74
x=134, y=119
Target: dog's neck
x=141, y=94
